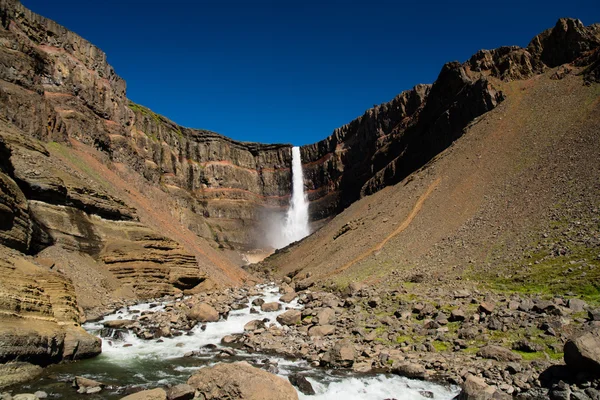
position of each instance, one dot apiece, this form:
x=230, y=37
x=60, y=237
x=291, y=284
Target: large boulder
x=270, y=307
x=290, y=317
x=240, y=381
x=79, y=344
x=203, y=312
x=17, y=372
x=475, y=388
x=583, y=352
x=341, y=355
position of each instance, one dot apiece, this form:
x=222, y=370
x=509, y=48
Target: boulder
x=203, y=312
x=254, y=325
x=475, y=388
x=302, y=384
x=79, y=344
x=154, y=394
x=181, y=392
x=270, y=307
x=341, y=355
x=410, y=370
x=18, y=372
x=117, y=323
x=582, y=353
x=321, y=330
x=498, y=353
x=326, y=316
x=457, y=315
x=290, y=317
x=288, y=297
x=240, y=381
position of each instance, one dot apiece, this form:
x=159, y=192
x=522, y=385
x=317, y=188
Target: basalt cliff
x=103, y=201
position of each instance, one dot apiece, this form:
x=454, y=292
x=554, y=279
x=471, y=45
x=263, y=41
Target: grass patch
x=440, y=346
x=577, y=272
x=65, y=152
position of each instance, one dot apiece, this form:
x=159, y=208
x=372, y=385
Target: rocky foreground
x=492, y=345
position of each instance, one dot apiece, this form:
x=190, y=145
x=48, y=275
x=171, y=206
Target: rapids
x=154, y=363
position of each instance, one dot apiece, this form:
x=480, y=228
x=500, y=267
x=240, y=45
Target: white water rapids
x=153, y=363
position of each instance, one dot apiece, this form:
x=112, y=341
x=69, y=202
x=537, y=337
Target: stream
x=129, y=362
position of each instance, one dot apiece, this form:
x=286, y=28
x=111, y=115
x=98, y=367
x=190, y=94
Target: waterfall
x=295, y=226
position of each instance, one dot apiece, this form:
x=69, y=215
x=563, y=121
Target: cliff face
x=56, y=86
x=392, y=140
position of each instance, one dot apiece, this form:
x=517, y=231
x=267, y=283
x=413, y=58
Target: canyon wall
x=394, y=139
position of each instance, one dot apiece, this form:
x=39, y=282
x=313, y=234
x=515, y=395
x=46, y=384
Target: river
x=129, y=362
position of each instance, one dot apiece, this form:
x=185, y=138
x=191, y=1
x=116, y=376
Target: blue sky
x=291, y=71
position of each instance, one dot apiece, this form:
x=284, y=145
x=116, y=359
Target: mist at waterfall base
x=282, y=230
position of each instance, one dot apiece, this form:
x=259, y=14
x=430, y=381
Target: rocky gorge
x=105, y=204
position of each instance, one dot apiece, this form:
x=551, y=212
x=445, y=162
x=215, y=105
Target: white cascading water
x=295, y=226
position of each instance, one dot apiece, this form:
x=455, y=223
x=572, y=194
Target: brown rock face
x=38, y=314
x=241, y=381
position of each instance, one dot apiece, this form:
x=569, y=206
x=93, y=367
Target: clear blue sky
x=290, y=71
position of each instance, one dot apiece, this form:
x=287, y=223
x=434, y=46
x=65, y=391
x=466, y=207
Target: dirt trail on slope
x=401, y=228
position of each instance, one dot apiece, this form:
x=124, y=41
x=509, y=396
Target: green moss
x=440, y=346
x=403, y=339
x=538, y=355
x=470, y=350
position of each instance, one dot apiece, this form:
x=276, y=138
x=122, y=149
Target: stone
x=78, y=344
x=41, y=395
x=81, y=382
x=487, y=307
x=154, y=394
x=25, y=396
x=290, y=317
x=582, y=353
x=321, y=330
x=457, y=315
x=181, y=392
x=341, y=355
x=271, y=307
x=475, y=388
x=258, y=302
x=203, y=312
x=526, y=305
x=577, y=305
x=409, y=369
x=498, y=353
x=18, y=372
x=240, y=381
x=254, y=325
x=325, y=316
x=302, y=384
x=117, y=323
x=288, y=297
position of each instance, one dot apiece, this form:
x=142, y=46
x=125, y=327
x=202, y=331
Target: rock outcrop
x=39, y=317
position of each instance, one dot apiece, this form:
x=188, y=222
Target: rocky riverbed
x=159, y=344
x=365, y=343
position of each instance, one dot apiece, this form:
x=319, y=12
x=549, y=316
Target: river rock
x=79, y=344
x=302, y=384
x=17, y=372
x=25, y=396
x=81, y=382
x=181, y=392
x=203, y=312
x=288, y=297
x=270, y=307
x=154, y=394
x=582, y=353
x=410, y=370
x=117, y=323
x=498, y=353
x=290, y=317
x=240, y=381
x=254, y=325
